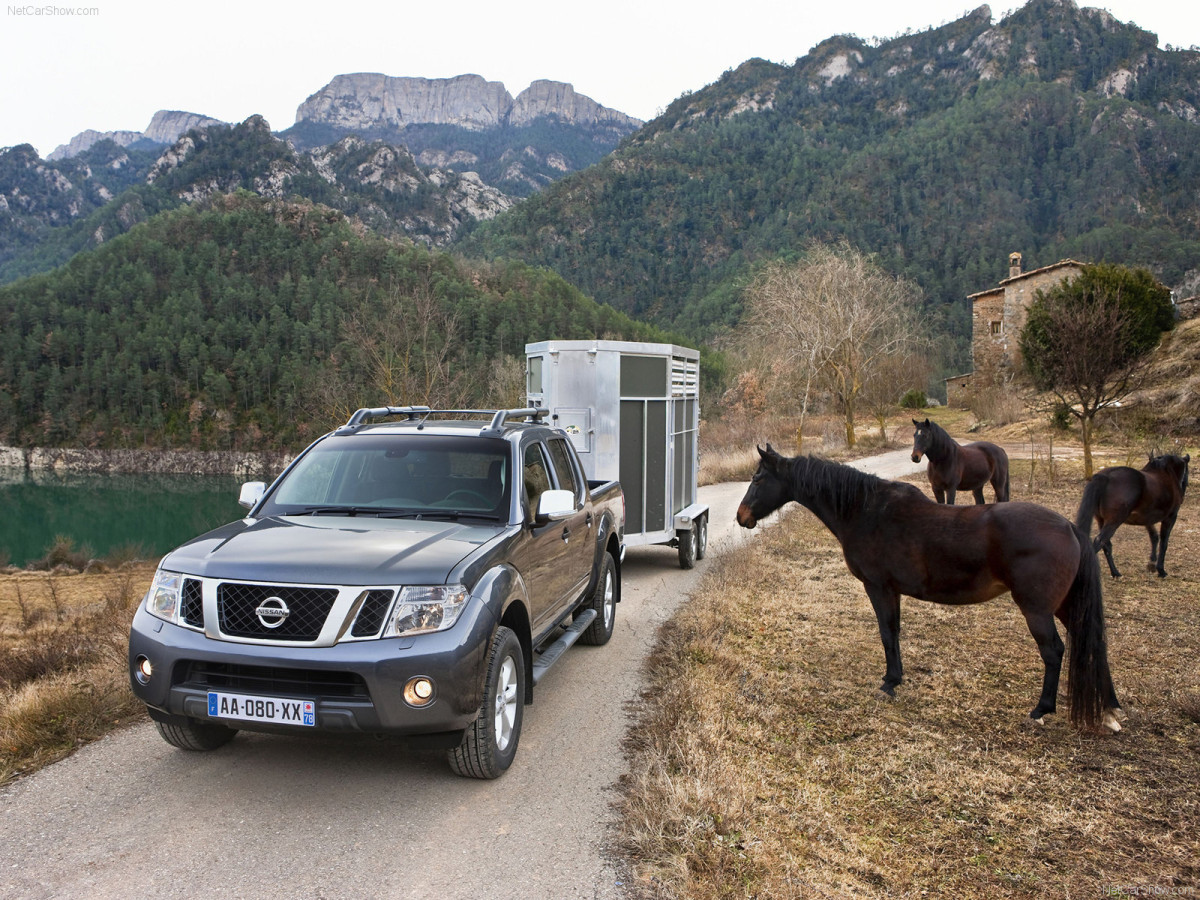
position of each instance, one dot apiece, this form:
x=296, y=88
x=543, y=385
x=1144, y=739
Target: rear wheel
x=194, y=735
x=604, y=602
x=687, y=548
x=489, y=745
x=702, y=536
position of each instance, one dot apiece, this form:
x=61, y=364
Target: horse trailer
x=632, y=410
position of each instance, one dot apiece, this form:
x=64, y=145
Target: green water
x=106, y=513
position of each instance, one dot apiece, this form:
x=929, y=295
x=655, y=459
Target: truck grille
x=307, y=610
x=192, y=607
x=370, y=617
x=274, y=681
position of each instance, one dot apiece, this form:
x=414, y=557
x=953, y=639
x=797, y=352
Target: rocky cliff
x=369, y=102
x=165, y=128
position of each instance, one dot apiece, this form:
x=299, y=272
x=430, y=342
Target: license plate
x=222, y=705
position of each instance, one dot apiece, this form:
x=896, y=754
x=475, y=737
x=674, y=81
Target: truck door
x=549, y=573
x=581, y=545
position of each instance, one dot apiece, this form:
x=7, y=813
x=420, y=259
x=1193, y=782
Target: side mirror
x=252, y=492
x=555, y=505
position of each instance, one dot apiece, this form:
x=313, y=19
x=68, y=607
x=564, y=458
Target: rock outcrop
x=370, y=102
x=165, y=128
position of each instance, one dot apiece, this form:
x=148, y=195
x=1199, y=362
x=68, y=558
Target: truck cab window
x=536, y=476
x=567, y=479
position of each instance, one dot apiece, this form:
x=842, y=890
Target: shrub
x=914, y=399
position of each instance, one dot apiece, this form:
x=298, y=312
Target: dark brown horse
x=953, y=467
x=1147, y=496
x=897, y=541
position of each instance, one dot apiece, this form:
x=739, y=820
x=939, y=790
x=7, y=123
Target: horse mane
x=941, y=437
x=1168, y=461
x=848, y=491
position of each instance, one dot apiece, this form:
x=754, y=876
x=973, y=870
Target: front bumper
x=357, y=686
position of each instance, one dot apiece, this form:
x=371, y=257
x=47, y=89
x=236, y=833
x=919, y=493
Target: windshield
x=399, y=475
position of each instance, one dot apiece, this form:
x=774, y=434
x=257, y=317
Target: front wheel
x=604, y=602
x=702, y=536
x=489, y=745
x=194, y=735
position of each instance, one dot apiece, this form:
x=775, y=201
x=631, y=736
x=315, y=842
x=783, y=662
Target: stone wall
x=151, y=462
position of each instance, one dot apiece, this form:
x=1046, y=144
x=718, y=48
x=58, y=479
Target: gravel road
x=319, y=817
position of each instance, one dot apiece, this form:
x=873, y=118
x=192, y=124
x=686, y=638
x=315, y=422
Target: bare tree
x=890, y=379
x=399, y=352
x=833, y=320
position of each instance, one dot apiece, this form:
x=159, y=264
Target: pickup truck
x=413, y=573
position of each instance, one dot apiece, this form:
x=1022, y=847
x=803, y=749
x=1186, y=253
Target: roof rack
x=422, y=413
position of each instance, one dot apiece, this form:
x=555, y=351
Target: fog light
x=418, y=691
x=143, y=669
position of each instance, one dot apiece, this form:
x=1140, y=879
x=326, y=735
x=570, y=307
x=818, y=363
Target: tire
x=604, y=602
x=687, y=548
x=702, y=536
x=195, y=735
x=489, y=745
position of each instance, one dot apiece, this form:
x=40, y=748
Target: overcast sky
x=112, y=68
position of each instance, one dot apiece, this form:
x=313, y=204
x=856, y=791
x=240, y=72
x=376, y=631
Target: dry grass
x=764, y=765
x=63, y=674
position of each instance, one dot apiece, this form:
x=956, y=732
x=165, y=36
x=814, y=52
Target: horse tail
x=1090, y=684
x=1093, y=496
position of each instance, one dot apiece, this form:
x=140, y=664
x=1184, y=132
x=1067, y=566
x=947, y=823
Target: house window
x=997, y=327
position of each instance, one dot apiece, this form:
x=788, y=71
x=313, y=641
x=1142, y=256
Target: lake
x=106, y=513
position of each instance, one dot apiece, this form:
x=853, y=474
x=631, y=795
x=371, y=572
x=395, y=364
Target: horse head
x=922, y=439
x=768, y=489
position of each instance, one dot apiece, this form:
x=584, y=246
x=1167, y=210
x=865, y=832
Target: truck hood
x=331, y=550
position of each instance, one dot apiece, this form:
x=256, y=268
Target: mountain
x=165, y=128
x=467, y=123
x=50, y=211
x=1056, y=132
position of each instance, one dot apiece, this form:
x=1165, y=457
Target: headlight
x=163, y=598
x=421, y=610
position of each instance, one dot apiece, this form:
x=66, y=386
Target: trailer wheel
x=702, y=536
x=687, y=548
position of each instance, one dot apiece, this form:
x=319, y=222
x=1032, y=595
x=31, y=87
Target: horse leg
x=978, y=492
x=886, y=604
x=939, y=494
x=1050, y=645
x=1167, y=524
x=1103, y=542
x=950, y=492
x=1152, y=566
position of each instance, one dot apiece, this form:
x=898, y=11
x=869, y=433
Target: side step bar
x=554, y=652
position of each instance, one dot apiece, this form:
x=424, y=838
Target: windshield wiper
x=385, y=511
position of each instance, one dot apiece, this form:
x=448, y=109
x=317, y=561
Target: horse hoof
x=1111, y=723
x=881, y=694
x=1038, y=721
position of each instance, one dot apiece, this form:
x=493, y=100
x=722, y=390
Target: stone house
x=997, y=316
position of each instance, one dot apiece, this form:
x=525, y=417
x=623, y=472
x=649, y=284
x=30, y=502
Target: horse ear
x=927, y=423
x=915, y=422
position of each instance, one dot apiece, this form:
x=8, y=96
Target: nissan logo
x=273, y=612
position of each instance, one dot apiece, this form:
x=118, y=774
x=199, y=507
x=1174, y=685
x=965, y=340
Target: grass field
x=763, y=763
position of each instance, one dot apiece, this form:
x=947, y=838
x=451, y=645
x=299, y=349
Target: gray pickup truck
x=413, y=573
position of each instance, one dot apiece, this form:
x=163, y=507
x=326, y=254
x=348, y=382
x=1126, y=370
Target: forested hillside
x=242, y=322
x=1057, y=132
